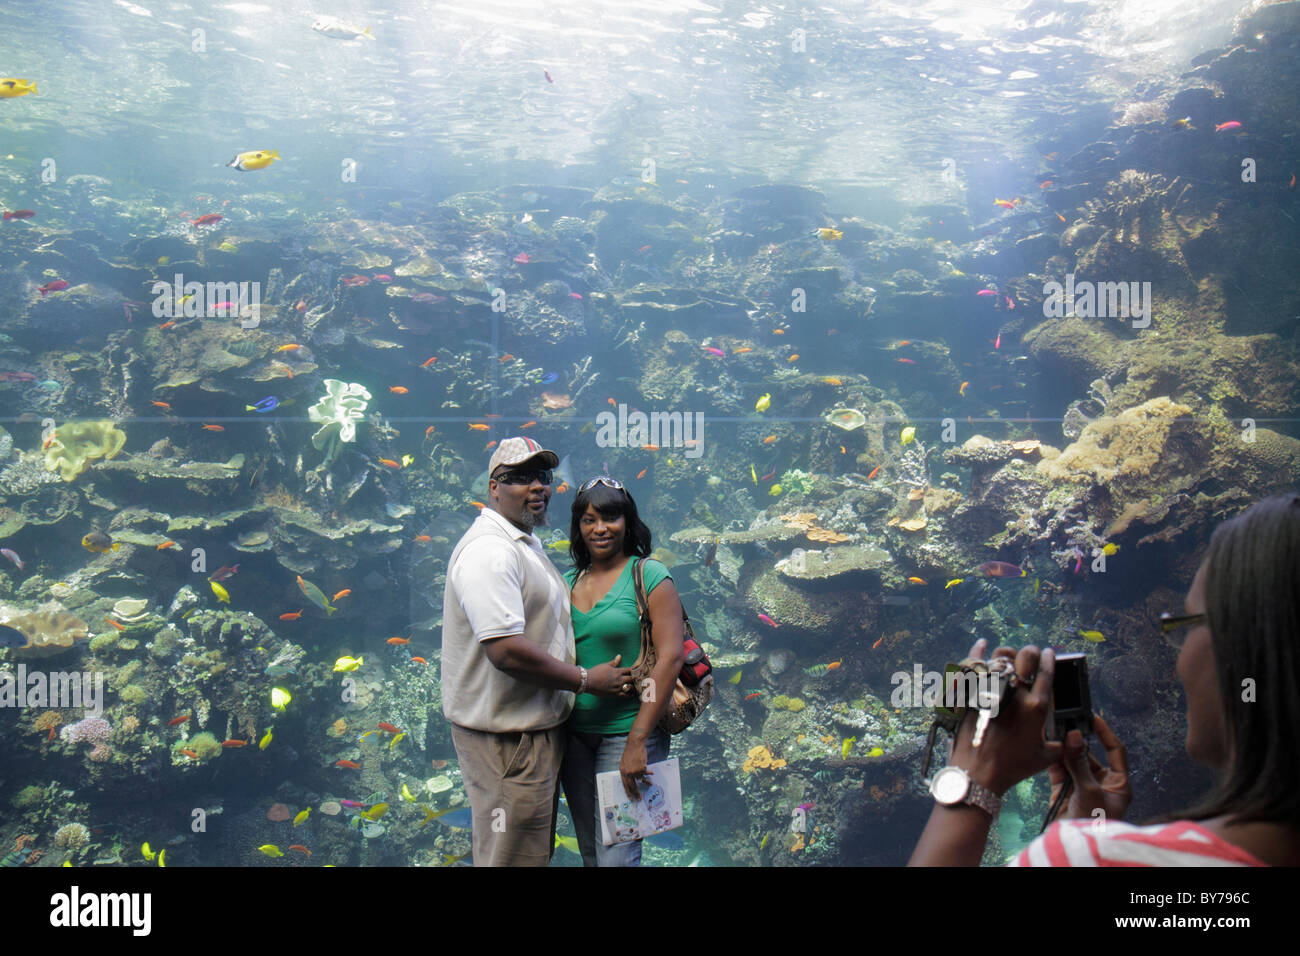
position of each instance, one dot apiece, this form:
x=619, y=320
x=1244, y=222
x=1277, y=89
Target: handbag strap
x=642, y=607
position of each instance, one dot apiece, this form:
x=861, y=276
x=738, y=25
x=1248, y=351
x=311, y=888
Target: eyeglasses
x=1175, y=627
x=601, y=480
x=524, y=477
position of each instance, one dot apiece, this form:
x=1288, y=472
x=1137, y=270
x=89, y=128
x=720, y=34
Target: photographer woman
x=1239, y=663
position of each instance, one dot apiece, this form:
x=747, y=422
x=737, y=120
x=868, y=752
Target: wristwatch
x=952, y=785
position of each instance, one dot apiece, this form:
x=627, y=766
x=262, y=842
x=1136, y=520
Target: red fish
x=390, y=729
x=398, y=389
x=214, y=428
x=178, y=720
x=768, y=621
x=291, y=616
x=641, y=473
x=429, y=361
x=997, y=343
x=58, y=285
x=382, y=277
x=712, y=351
x=757, y=693
x=1230, y=125
x=17, y=377
x=342, y=594
x=907, y=361
x=874, y=471
x=522, y=258
x=190, y=753
x=347, y=764
x=1001, y=569
x=419, y=660
x=986, y=292
x=222, y=574
x=206, y=219
x=878, y=643
x=300, y=848
x=20, y=214
x=232, y=744
x=769, y=476
x=355, y=280
x=115, y=624
x=398, y=640
x=389, y=463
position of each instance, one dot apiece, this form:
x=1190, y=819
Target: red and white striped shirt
x=1086, y=843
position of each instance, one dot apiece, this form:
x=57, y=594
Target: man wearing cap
x=508, y=671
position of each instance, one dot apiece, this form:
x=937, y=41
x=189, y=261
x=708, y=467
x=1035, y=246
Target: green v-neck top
x=610, y=627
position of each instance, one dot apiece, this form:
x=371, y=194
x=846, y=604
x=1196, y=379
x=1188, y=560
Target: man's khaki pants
x=512, y=781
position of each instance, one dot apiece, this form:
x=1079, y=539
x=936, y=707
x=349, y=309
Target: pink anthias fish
x=997, y=343
x=522, y=258
x=712, y=351
x=12, y=556
x=986, y=292
x=1225, y=127
x=575, y=295
x=768, y=621
x=382, y=277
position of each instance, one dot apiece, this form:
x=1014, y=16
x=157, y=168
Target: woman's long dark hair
x=610, y=503
x=1252, y=597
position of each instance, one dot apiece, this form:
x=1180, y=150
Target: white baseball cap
x=517, y=450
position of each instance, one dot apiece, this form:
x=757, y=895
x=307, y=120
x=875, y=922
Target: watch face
x=950, y=785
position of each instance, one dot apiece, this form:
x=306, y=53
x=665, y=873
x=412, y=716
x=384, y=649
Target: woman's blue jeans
x=585, y=756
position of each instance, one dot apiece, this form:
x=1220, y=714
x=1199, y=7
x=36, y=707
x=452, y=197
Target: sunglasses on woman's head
x=601, y=480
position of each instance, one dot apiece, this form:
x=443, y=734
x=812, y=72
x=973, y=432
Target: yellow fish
x=270, y=849
x=223, y=596
x=775, y=490
x=9, y=88
x=1094, y=636
x=875, y=752
x=846, y=747
x=301, y=818
x=763, y=843
x=829, y=234
x=753, y=474
x=162, y=857
x=568, y=842
x=764, y=402
x=407, y=795
x=396, y=737
x=735, y=678
x=147, y=853
x=375, y=812
x=347, y=664
x=953, y=583
x=907, y=435
x=265, y=741
x=279, y=701
x=1109, y=548
x=408, y=461
x=163, y=260
x=561, y=545
x=254, y=159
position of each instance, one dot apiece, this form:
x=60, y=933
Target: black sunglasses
x=524, y=477
x=1175, y=627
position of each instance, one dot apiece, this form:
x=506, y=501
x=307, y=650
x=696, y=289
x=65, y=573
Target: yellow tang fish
x=829, y=234
x=1109, y=548
x=776, y=489
x=147, y=853
x=162, y=857
x=254, y=159
x=396, y=737
x=753, y=474
x=764, y=402
x=568, y=842
x=561, y=545
x=266, y=740
x=907, y=434
x=407, y=795
x=1094, y=636
x=347, y=664
x=223, y=596
x=375, y=812
x=301, y=818
x=9, y=88
x=953, y=583
x=735, y=678
x=875, y=752
x=763, y=843
x=408, y=461
x=846, y=747
x=270, y=849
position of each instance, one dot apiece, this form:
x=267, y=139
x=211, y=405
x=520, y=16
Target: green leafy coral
x=76, y=444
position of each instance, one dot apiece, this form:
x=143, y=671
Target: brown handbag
x=694, y=688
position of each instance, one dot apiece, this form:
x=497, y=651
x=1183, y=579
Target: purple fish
x=12, y=556
x=351, y=803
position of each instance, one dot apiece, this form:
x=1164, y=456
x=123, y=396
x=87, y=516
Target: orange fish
x=163, y=405
x=430, y=430
x=189, y=753
x=429, y=361
x=291, y=347
x=389, y=463
x=843, y=450
x=562, y=487
x=231, y=744
x=645, y=248
x=167, y=544
x=301, y=306
x=115, y=624
x=178, y=720
x=420, y=660
x=478, y=427
x=491, y=444
x=908, y=361
x=478, y=504
x=878, y=643
x=962, y=390
x=398, y=640
x=1044, y=184
x=1292, y=183
x=167, y=325
x=214, y=428
x=874, y=471
x=288, y=371
x=492, y=415
x=778, y=331
x=769, y=439
x=832, y=380
x=389, y=728
x=641, y=473
x=612, y=402
x=527, y=425
x=1060, y=217
x=421, y=538
x=833, y=664
x=342, y=594
x=291, y=616
x=506, y=358
x=649, y=447
x=742, y=351
x=793, y=358
x=916, y=580
x=300, y=848
x=347, y=764
x=398, y=389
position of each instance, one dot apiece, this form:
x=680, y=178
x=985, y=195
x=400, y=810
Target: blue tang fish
x=268, y=404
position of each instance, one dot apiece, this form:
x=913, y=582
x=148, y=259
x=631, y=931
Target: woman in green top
x=614, y=733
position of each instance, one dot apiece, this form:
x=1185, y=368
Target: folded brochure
x=659, y=809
